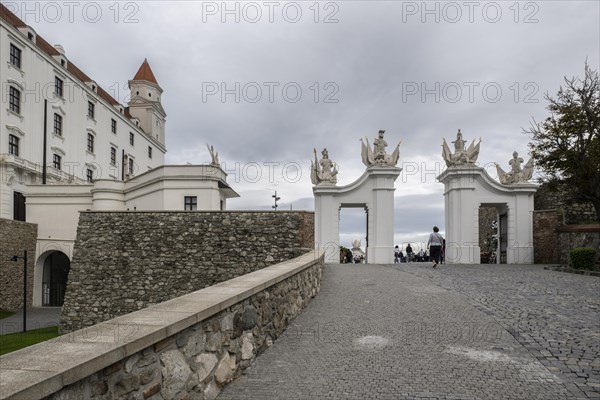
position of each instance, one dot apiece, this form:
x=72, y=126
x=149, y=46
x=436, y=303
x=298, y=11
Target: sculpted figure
x=459, y=143
x=213, y=155
x=516, y=173
x=324, y=170
x=460, y=155
x=515, y=163
x=377, y=155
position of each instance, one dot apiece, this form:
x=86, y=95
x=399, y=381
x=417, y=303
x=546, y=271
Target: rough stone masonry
x=197, y=362
x=125, y=261
x=16, y=236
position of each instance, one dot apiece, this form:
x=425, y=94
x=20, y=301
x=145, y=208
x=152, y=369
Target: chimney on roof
x=60, y=49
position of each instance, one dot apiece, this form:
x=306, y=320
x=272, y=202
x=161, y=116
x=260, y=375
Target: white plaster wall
x=35, y=79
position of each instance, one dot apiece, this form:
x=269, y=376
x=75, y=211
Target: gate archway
x=467, y=187
x=56, y=267
x=374, y=191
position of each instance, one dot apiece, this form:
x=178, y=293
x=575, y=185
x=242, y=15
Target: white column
x=520, y=247
x=327, y=235
x=381, y=244
x=462, y=216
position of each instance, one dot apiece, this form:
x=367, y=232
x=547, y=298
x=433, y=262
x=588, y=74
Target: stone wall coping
x=579, y=228
x=40, y=370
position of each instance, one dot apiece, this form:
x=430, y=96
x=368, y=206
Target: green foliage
x=566, y=145
x=583, y=258
x=16, y=341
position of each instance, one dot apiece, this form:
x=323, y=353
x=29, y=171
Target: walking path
x=459, y=332
x=37, y=317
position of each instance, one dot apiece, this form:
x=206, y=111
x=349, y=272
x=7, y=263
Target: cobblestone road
x=384, y=332
x=554, y=315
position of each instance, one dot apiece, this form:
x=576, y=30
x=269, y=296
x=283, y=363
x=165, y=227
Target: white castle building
x=67, y=145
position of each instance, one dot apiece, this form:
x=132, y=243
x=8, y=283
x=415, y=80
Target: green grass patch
x=5, y=314
x=16, y=341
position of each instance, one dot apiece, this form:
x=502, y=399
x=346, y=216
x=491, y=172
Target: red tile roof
x=145, y=73
x=9, y=17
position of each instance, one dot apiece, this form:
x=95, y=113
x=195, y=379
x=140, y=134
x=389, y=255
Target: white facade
x=88, y=142
x=466, y=189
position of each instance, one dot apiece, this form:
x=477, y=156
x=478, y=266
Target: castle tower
x=144, y=103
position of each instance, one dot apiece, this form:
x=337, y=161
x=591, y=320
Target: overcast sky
x=232, y=78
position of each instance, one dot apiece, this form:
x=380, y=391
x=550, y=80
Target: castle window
x=58, y=121
x=14, y=100
x=57, y=161
x=131, y=138
x=91, y=110
x=90, y=143
x=131, y=166
x=58, y=86
x=29, y=35
x=15, y=56
x=113, y=156
x=149, y=152
x=62, y=62
x=18, y=206
x=113, y=126
x=89, y=175
x=13, y=145
x=190, y=203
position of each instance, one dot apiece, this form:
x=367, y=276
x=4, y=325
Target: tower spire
x=145, y=73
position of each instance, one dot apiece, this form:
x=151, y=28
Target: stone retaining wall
x=125, y=261
x=561, y=198
x=545, y=239
x=572, y=236
x=16, y=236
x=185, y=348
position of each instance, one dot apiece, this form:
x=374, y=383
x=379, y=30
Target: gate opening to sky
x=467, y=187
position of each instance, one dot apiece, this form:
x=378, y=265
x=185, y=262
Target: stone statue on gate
x=517, y=174
x=378, y=156
x=460, y=155
x=323, y=171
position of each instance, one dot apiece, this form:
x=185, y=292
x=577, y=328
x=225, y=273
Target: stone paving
x=554, y=315
x=408, y=332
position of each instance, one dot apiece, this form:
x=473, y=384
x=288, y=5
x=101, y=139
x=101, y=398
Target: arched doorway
x=54, y=279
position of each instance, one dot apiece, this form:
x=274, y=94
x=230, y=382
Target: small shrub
x=583, y=258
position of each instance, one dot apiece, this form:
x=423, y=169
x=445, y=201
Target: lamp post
x=15, y=259
x=276, y=198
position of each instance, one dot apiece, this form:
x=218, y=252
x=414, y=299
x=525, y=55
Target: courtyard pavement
x=458, y=332
x=37, y=317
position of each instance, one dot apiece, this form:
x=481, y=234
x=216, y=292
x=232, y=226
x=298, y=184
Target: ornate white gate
x=374, y=191
x=467, y=187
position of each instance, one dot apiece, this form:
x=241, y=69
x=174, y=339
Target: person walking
x=396, y=254
x=409, y=253
x=434, y=244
